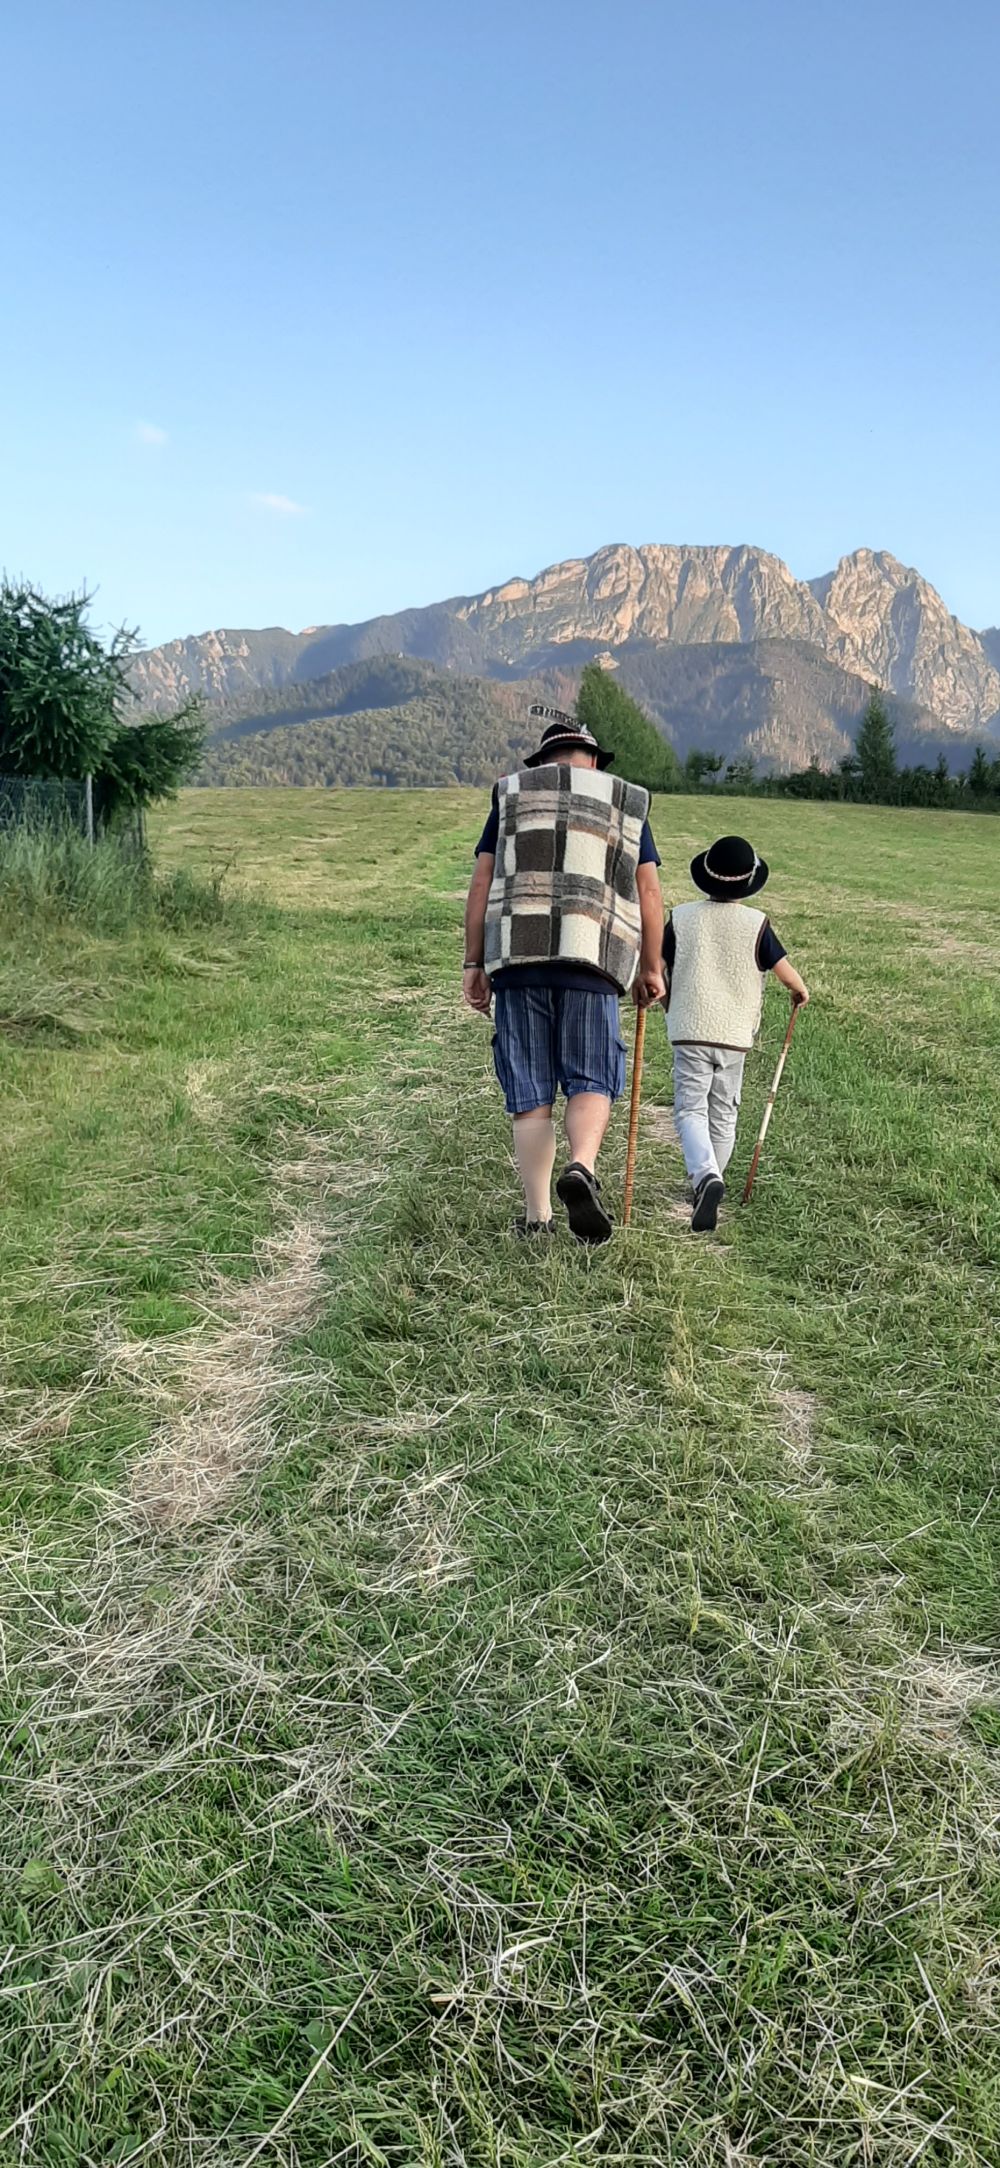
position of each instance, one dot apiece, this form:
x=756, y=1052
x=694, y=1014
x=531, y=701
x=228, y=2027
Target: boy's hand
x=787, y=975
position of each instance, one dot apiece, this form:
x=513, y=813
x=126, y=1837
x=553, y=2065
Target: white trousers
x=708, y=1081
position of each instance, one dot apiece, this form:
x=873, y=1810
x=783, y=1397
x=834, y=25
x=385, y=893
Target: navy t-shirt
x=577, y=976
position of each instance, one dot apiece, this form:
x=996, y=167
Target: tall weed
x=50, y=874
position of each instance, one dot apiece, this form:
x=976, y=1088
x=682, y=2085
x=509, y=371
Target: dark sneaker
x=580, y=1192
x=707, y=1198
x=525, y=1227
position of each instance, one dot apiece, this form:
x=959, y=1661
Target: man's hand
x=476, y=989
x=800, y=997
x=650, y=986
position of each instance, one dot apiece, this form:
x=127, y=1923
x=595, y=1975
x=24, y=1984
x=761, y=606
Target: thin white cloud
x=149, y=433
x=286, y=507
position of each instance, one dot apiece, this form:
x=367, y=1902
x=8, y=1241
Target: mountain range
x=725, y=647
x=399, y=720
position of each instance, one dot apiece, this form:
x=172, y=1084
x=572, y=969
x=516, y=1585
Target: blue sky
x=314, y=311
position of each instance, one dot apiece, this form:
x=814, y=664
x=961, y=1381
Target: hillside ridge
x=400, y=720
x=872, y=616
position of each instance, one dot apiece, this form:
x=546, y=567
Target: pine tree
x=980, y=776
x=876, y=750
x=619, y=724
x=61, y=690
x=701, y=769
x=65, y=703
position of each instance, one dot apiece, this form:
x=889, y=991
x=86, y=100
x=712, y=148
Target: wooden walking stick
x=769, y=1109
x=633, y=1114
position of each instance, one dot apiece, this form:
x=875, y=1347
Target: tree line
x=870, y=775
x=454, y=736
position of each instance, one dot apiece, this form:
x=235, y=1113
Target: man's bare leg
x=577, y=1188
x=587, y=1117
x=535, y=1153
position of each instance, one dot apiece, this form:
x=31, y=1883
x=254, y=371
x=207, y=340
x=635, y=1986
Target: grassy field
x=475, y=1709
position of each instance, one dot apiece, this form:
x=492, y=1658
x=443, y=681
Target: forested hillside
x=387, y=681
x=421, y=742
x=397, y=720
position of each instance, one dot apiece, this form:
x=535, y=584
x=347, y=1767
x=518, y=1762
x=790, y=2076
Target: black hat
x=563, y=734
x=730, y=870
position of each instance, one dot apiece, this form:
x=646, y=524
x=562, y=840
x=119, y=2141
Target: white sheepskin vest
x=717, y=986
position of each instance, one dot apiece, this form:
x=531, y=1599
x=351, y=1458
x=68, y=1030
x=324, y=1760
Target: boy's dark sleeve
x=669, y=945
x=769, y=948
x=488, y=839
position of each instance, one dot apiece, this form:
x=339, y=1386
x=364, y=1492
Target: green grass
x=472, y=1707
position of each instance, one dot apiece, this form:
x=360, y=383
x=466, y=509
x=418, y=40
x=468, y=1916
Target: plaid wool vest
x=564, y=880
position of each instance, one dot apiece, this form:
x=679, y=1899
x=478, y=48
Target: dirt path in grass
x=218, y=1396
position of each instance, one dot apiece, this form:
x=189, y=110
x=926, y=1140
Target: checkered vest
x=564, y=880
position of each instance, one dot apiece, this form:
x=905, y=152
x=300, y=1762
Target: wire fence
x=33, y=802
x=55, y=802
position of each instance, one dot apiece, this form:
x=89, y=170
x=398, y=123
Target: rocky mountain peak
x=873, y=616
x=659, y=591
x=888, y=622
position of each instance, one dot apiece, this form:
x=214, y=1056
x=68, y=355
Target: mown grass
x=569, y=1729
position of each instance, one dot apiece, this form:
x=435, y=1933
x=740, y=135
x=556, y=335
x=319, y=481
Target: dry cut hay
x=225, y=1382
x=939, y=1692
x=217, y=1394
x=797, y=1412
x=798, y=1424
x=202, y=1083
x=420, y=1520
x=221, y=1385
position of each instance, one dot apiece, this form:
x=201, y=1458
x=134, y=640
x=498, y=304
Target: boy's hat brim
x=732, y=889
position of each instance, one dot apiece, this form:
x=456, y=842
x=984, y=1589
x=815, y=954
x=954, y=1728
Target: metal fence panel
x=28, y=801
x=51, y=802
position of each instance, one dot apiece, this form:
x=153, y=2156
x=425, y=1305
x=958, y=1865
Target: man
x=564, y=915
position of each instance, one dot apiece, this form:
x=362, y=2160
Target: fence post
x=88, y=793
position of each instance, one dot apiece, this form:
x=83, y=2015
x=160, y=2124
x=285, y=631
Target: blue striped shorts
x=556, y=1037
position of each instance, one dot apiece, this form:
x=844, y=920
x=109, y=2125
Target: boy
x=716, y=955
